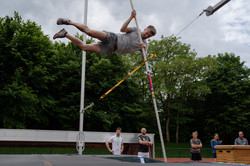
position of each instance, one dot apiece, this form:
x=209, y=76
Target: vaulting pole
x=80, y=136
x=105, y=94
x=151, y=88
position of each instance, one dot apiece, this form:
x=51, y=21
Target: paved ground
x=173, y=160
x=76, y=160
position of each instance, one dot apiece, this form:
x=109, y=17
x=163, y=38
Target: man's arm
x=194, y=146
x=142, y=56
x=107, y=145
x=145, y=47
x=150, y=143
x=125, y=27
x=235, y=142
x=212, y=144
x=122, y=148
x=143, y=142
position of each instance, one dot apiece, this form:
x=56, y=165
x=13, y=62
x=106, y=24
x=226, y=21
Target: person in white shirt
x=117, y=143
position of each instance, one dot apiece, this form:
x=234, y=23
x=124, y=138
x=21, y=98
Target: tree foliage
x=178, y=75
x=41, y=80
x=227, y=107
x=24, y=56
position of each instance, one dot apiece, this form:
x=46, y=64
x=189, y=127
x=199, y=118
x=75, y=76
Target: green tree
x=24, y=54
x=116, y=109
x=226, y=109
x=40, y=83
x=119, y=106
x=178, y=75
x=146, y=117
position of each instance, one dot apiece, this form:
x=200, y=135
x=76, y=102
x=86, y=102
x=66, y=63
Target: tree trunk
x=177, y=127
x=143, y=89
x=177, y=124
x=168, y=118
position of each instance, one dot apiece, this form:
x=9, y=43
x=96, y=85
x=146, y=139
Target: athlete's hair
x=195, y=132
x=118, y=128
x=152, y=29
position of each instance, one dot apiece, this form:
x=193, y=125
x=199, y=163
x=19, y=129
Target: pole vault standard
x=211, y=10
x=80, y=136
x=152, y=89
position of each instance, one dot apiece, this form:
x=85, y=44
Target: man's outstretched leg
x=94, y=47
x=93, y=33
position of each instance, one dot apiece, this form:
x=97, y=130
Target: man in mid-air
x=110, y=42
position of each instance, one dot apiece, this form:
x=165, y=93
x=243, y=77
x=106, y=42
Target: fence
x=45, y=141
x=171, y=152
x=182, y=152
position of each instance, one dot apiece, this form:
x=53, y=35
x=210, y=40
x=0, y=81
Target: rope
x=190, y=23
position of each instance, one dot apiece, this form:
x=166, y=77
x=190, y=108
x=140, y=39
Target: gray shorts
x=109, y=44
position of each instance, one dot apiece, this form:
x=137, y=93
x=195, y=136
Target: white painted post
x=80, y=136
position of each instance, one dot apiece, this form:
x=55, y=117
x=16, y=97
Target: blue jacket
x=213, y=143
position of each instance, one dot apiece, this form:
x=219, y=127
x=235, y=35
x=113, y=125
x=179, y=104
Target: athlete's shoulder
x=131, y=29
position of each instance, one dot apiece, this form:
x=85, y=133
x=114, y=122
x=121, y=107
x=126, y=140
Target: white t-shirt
x=116, y=144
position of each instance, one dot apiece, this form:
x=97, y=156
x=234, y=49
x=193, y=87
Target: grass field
x=173, y=150
x=181, y=150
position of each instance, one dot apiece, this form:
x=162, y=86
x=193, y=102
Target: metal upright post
x=80, y=137
x=151, y=88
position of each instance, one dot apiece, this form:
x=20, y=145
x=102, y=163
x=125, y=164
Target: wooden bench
x=239, y=154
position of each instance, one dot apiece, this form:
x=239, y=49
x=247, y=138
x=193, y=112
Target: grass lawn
x=181, y=150
x=173, y=150
x=50, y=150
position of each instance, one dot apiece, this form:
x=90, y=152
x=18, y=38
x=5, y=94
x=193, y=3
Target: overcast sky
x=227, y=30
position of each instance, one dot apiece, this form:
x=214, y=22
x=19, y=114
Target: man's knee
x=95, y=48
x=84, y=47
